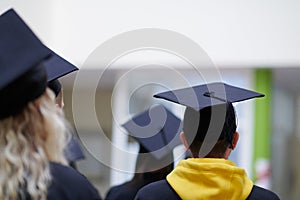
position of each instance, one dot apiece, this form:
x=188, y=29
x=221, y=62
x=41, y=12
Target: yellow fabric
x=209, y=178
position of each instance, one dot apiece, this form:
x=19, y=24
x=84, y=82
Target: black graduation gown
x=68, y=184
x=128, y=190
x=162, y=190
x=121, y=192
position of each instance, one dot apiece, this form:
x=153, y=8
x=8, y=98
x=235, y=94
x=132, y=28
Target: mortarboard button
x=156, y=129
x=201, y=96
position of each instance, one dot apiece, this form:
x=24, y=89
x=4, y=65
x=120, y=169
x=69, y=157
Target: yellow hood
x=209, y=178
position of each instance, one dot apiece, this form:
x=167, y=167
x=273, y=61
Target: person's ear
x=183, y=140
x=235, y=139
x=60, y=99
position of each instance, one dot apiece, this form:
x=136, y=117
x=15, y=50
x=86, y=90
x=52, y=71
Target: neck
x=224, y=155
x=227, y=153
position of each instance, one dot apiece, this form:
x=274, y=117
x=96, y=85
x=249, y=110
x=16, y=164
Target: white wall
x=242, y=33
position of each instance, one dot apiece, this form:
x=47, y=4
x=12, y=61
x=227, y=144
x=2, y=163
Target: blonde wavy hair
x=28, y=141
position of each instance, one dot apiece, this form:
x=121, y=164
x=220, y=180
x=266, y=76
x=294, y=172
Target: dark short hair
x=213, y=124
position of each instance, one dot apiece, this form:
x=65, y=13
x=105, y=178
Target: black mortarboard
x=57, y=67
x=156, y=129
x=22, y=56
x=201, y=96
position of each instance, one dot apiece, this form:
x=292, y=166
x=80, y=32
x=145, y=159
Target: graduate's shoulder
x=261, y=193
x=157, y=190
x=67, y=183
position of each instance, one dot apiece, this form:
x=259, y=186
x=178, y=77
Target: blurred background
x=253, y=44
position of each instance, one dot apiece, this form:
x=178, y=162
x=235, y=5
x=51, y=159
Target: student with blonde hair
x=33, y=130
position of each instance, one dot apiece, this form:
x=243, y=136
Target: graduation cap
x=156, y=130
x=22, y=57
x=217, y=98
x=202, y=96
x=57, y=67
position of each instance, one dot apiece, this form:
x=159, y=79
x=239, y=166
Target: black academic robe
x=162, y=190
x=128, y=190
x=69, y=184
x=121, y=192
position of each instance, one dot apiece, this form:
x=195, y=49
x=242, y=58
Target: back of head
x=210, y=129
x=209, y=120
x=157, y=132
x=29, y=139
x=31, y=126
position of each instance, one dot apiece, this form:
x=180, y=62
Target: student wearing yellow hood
x=209, y=132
